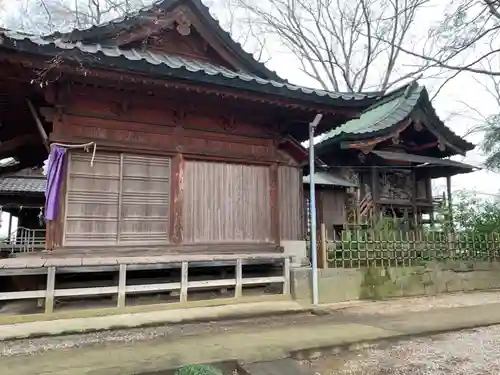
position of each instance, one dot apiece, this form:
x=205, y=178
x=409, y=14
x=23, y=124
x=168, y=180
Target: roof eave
x=155, y=71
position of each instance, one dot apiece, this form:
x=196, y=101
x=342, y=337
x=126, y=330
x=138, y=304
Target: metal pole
x=312, y=205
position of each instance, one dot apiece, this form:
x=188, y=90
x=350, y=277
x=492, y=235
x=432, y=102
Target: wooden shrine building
x=196, y=143
x=392, y=152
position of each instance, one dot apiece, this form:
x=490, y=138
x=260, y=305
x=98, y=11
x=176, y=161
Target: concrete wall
x=297, y=250
x=339, y=284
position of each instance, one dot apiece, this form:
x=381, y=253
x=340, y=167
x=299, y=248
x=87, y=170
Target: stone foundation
x=298, y=251
x=339, y=285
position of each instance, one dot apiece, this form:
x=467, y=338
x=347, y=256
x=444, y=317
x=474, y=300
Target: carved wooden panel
x=172, y=42
x=396, y=184
x=192, y=112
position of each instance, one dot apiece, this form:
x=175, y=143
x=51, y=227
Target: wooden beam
x=39, y=124
x=13, y=144
x=369, y=144
x=105, y=75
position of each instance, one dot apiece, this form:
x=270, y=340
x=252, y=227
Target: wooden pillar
x=49, y=290
x=375, y=191
x=320, y=212
x=414, y=198
x=322, y=248
x=177, y=198
x=9, y=232
x=449, y=201
x=275, y=204
x=122, y=286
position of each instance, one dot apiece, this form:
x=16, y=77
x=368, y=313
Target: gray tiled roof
x=327, y=178
x=178, y=63
x=22, y=185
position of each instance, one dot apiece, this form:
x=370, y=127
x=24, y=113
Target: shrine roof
x=386, y=115
x=328, y=179
x=23, y=182
x=126, y=23
x=164, y=65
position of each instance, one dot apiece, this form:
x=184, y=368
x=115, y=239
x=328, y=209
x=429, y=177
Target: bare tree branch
x=335, y=41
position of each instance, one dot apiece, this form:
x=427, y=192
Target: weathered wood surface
x=226, y=203
x=121, y=290
x=29, y=262
x=291, y=205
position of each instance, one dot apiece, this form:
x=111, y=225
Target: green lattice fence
x=397, y=248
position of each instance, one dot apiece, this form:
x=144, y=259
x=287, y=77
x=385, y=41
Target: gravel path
x=470, y=352
x=166, y=332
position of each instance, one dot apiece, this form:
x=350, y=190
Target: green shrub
x=198, y=370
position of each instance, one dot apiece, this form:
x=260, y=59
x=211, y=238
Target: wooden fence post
x=238, y=291
x=49, y=292
x=184, y=282
x=122, y=286
x=286, y=275
x=322, y=253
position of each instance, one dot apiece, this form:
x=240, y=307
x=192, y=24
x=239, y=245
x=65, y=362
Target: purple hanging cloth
x=54, y=180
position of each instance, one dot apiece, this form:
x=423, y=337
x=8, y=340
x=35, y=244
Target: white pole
x=312, y=205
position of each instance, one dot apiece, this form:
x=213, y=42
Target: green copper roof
x=386, y=114
x=389, y=111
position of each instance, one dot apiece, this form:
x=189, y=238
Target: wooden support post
x=177, y=198
x=39, y=125
x=449, y=201
x=275, y=206
x=286, y=276
x=184, y=282
x=451, y=236
x=322, y=253
x=414, y=199
x=49, y=291
x=9, y=231
x=238, y=291
x=375, y=187
x=122, y=286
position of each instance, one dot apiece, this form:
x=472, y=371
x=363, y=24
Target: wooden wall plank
x=123, y=199
x=291, y=204
x=145, y=210
x=226, y=203
x=92, y=203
